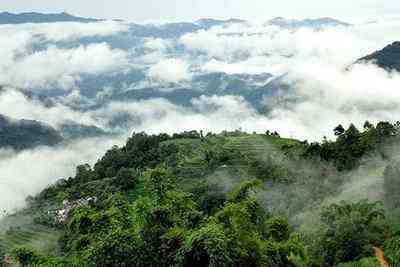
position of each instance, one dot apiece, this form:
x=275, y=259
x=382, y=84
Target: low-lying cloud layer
x=28, y=172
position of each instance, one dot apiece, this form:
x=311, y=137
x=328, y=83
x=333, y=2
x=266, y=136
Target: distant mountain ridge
x=307, y=23
x=168, y=29
x=34, y=17
x=387, y=58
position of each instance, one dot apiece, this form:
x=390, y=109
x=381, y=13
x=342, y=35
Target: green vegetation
x=232, y=199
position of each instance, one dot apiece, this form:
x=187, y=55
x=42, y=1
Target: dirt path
x=381, y=257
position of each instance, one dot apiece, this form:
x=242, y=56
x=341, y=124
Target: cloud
x=28, y=172
x=214, y=114
x=254, y=65
x=16, y=105
x=157, y=44
x=65, y=31
x=61, y=67
x=330, y=96
x=277, y=49
x=170, y=71
x=314, y=63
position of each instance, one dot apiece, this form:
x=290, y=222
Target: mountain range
x=317, y=23
x=33, y=17
x=169, y=28
x=262, y=91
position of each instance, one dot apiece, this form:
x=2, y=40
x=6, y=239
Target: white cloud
x=16, y=105
x=61, y=67
x=254, y=65
x=170, y=70
x=65, y=31
x=278, y=49
x=314, y=63
x=157, y=44
x=214, y=114
x=28, y=172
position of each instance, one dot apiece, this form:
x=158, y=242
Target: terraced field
x=19, y=230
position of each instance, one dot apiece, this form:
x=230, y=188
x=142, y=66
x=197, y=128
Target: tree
x=27, y=257
x=158, y=182
x=385, y=129
x=368, y=125
x=84, y=173
x=118, y=248
x=207, y=246
x=278, y=229
x=126, y=179
x=339, y=130
x=349, y=231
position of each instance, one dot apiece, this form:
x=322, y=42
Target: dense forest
x=228, y=199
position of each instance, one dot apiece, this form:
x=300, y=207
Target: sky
x=155, y=10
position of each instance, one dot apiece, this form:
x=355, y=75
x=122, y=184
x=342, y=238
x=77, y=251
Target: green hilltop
x=228, y=199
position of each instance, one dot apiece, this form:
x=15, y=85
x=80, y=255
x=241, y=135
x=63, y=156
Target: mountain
x=214, y=200
x=25, y=134
x=209, y=23
x=387, y=58
x=71, y=130
x=253, y=88
x=33, y=17
x=317, y=24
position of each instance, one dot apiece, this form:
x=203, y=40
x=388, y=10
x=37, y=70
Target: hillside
x=387, y=58
x=213, y=200
x=24, y=134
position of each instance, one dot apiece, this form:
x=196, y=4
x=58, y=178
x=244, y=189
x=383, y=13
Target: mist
x=26, y=173
x=328, y=89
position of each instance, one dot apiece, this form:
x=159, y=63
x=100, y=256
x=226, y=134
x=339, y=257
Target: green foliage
x=349, y=231
x=118, y=248
x=158, y=182
x=207, y=246
x=141, y=151
x=127, y=179
x=351, y=145
x=2, y=252
x=278, y=228
x=392, y=251
x=243, y=190
x=365, y=262
x=27, y=257
x=190, y=200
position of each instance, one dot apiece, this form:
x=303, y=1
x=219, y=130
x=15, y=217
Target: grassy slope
x=19, y=230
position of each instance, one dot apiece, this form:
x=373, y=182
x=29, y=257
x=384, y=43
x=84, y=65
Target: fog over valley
x=300, y=78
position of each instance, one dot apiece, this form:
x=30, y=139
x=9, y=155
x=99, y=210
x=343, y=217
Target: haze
x=153, y=10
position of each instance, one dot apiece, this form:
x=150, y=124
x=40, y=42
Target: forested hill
x=387, y=58
x=24, y=134
x=232, y=199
